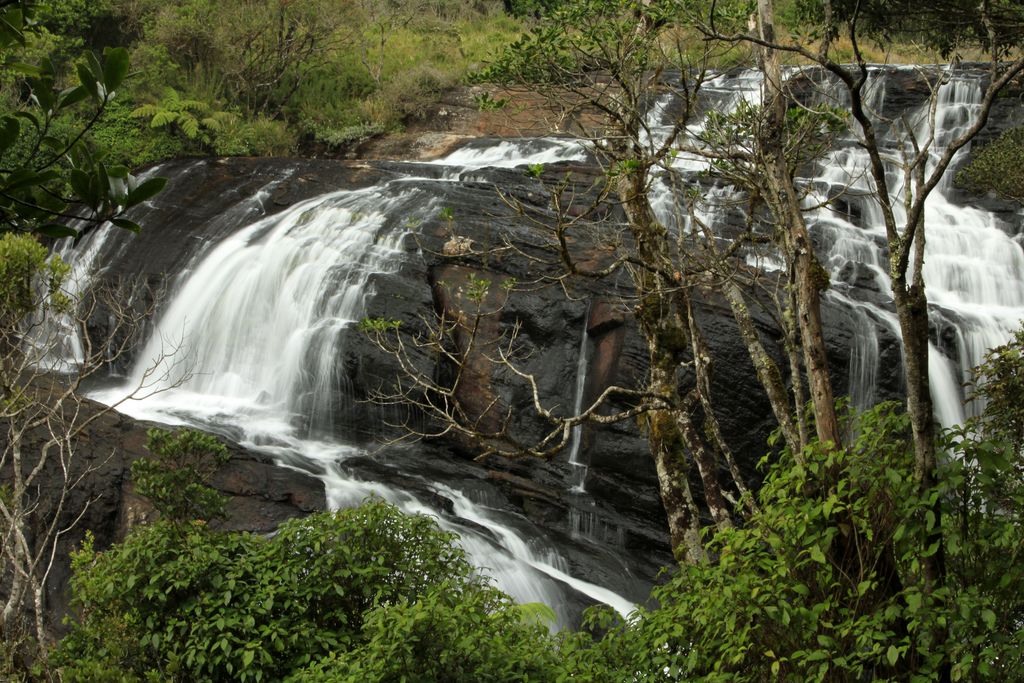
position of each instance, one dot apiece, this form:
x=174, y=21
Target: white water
x=254, y=338
x=254, y=335
x=974, y=270
x=578, y=467
x=54, y=340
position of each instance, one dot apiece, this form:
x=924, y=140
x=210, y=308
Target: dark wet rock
x=261, y=494
x=615, y=533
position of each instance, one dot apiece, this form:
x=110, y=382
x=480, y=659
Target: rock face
x=260, y=494
x=614, y=533
x=620, y=514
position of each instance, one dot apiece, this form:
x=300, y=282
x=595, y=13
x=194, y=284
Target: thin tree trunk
x=810, y=277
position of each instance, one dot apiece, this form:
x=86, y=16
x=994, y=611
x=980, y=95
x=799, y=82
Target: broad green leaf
x=23, y=68
x=23, y=178
x=85, y=189
x=126, y=224
x=817, y=555
x=145, y=190
x=56, y=230
x=88, y=81
x=9, y=129
x=30, y=117
x=115, y=67
x=72, y=96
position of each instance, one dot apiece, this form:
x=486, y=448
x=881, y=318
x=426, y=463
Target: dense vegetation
x=369, y=594
x=235, y=77
x=876, y=549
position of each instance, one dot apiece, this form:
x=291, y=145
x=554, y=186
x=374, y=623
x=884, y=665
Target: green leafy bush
x=128, y=140
x=256, y=137
x=189, y=603
x=450, y=634
x=176, y=479
x=826, y=582
x=997, y=167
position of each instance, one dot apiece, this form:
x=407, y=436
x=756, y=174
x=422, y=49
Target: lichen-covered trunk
x=783, y=199
x=767, y=370
x=674, y=482
x=663, y=318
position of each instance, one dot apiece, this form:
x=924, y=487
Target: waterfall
x=578, y=467
x=974, y=268
x=255, y=338
x=254, y=331
x=254, y=341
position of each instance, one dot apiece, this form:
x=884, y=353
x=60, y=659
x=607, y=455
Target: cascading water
x=973, y=268
x=578, y=469
x=254, y=341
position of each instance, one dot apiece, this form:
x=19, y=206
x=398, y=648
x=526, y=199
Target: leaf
x=71, y=97
x=126, y=224
x=115, y=67
x=42, y=91
x=161, y=118
x=247, y=657
x=81, y=183
x=24, y=68
x=189, y=126
x=145, y=190
x=94, y=66
x=28, y=116
x=23, y=178
x=892, y=654
x=817, y=555
x=56, y=231
x=989, y=617
x=85, y=77
x=9, y=129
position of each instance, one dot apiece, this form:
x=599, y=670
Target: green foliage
x=256, y=137
x=525, y=8
x=47, y=172
x=999, y=389
x=486, y=102
x=130, y=142
x=809, y=133
x=997, y=167
x=23, y=267
x=450, y=634
x=336, y=138
x=379, y=325
x=189, y=603
x=195, y=119
x=177, y=478
x=571, y=41
x=826, y=583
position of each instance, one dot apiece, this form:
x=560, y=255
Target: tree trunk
x=782, y=198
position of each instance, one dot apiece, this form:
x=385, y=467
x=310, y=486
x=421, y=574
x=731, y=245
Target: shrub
x=257, y=137
x=825, y=582
x=188, y=603
x=129, y=141
x=997, y=168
